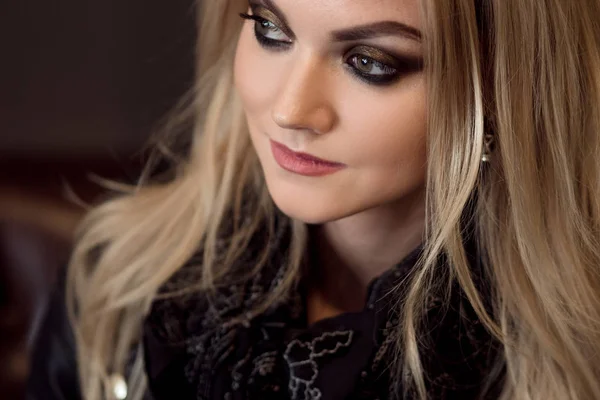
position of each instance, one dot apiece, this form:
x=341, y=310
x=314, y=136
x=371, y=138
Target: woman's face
x=334, y=96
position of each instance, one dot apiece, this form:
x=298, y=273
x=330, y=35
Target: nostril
x=284, y=120
x=317, y=119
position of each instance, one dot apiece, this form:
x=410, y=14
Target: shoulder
x=187, y=304
x=188, y=332
x=53, y=371
x=460, y=354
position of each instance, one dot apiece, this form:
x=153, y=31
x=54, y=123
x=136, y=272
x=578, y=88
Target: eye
x=267, y=33
x=269, y=30
x=372, y=70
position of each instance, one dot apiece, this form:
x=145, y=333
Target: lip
x=303, y=163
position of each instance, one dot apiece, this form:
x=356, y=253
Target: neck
x=349, y=253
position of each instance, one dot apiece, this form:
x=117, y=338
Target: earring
x=488, y=147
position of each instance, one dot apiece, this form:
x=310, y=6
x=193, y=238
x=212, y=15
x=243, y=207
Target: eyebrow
x=362, y=32
x=377, y=29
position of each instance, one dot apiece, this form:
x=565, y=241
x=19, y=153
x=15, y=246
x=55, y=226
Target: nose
x=304, y=101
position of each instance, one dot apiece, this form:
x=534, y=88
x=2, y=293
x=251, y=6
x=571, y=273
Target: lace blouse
x=278, y=356
x=192, y=353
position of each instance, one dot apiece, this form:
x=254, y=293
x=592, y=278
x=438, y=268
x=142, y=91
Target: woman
x=391, y=199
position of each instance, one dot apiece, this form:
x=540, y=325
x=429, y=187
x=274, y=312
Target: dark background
x=83, y=84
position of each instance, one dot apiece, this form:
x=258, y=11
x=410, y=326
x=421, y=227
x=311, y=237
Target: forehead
x=332, y=14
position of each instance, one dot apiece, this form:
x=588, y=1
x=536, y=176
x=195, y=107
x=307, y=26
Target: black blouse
x=278, y=356
x=191, y=354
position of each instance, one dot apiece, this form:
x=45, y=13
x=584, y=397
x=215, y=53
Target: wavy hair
x=527, y=72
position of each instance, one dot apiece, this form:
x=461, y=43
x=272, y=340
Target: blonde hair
x=526, y=71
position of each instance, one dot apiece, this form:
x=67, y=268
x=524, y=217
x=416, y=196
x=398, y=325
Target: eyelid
x=270, y=16
x=375, y=54
x=401, y=63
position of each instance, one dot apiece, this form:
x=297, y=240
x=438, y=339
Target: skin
x=366, y=217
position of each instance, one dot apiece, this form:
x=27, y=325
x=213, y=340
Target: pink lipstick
x=303, y=163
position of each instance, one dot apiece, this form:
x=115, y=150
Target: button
x=118, y=386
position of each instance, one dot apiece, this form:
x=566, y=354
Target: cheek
x=380, y=136
x=254, y=78
x=390, y=130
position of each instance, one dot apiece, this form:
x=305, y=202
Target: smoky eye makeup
x=378, y=67
x=270, y=27
x=268, y=32
x=369, y=64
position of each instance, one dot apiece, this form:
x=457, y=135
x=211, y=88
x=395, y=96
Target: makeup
x=376, y=67
x=303, y=163
x=268, y=34
x=367, y=63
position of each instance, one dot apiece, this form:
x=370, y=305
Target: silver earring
x=488, y=147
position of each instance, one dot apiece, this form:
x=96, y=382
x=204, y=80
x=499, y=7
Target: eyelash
x=269, y=44
x=390, y=76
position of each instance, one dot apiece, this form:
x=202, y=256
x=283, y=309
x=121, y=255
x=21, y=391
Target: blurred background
x=82, y=86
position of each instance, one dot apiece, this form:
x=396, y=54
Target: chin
x=310, y=207
x=308, y=215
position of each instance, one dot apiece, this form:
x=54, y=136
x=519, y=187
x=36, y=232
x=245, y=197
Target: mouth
x=303, y=163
